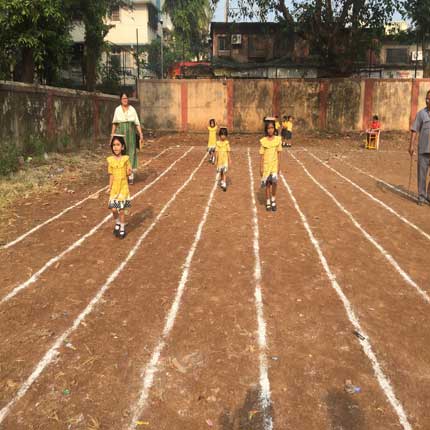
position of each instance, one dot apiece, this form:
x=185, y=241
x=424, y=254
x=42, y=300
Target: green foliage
x=191, y=20
x=34, y=35
x=339, y=32
x=9, y=159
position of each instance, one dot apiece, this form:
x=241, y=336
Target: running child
x=119, y=168
x=212, y=140
x=287, y=131
x=223, y=158
x=270, y=148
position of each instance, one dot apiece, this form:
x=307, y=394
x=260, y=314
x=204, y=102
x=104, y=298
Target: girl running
x=119, y=168
x=270, y=148
x=223, y=159
x=212, y=140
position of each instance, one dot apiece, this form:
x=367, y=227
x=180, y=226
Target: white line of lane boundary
x=54, y=350
x=393, y=187
x=383, y=380
x=39, y=226
x=80, y=241
x=372, y=197
x=148, y=373
x=265, y=397
x=369, y=237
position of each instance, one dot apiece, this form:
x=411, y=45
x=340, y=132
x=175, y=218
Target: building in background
x=130, y=28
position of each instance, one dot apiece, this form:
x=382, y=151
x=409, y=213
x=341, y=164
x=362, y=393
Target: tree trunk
x=27, y=72
x=93, y=44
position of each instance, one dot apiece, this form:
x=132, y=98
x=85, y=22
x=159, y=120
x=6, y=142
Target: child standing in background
x=270, y=148
x=212, y=140
x=287, y=131
x=277, y=126
x=223, y=159
x=119, y=168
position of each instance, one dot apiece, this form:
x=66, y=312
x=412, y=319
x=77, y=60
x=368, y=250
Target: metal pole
x=416, y=58
x=137, y=53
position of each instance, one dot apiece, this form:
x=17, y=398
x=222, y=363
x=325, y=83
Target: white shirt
x=129, y=115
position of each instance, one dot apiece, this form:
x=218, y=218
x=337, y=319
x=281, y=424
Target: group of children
x=283, y=128
x=119, y=167
x=219, y=153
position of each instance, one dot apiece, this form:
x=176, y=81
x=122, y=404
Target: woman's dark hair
x=375, y=118
x=212, y=121
x=121, y=140
x=122, y=95
x=223, y=131
x=266, y=126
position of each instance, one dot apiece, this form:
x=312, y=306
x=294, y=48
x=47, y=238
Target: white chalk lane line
x=60, y=214
x=382, y=379
x=265, y=396
x=149, y=371
x=372, y=197
x=53, y=352
x=406, y=277
x=22, y=286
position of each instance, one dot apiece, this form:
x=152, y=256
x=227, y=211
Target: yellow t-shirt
x=212, y=136
x=289, y=125
x=222, y=150
x=117, y=167
x=269, y=150
x=277, y=125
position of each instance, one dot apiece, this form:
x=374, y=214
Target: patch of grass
x=9, y=159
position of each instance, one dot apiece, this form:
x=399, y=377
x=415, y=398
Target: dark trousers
x=423, y=168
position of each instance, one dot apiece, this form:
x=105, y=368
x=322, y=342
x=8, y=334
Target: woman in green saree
x=126, y=122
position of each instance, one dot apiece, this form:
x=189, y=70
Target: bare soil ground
x=162, y=330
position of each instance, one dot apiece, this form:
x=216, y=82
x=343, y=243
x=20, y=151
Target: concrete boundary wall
x=241, y=104
x=82, y=118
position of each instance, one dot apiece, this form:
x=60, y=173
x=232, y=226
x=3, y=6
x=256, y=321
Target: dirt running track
x=166, y=331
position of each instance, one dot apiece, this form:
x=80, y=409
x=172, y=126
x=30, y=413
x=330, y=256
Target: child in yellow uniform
x=270, y=148
x=212, y=140
x=277, y=126
x=288, y=131
x=119, y=168
x=223, y=159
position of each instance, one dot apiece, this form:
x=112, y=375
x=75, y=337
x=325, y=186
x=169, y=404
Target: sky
x=219, y=12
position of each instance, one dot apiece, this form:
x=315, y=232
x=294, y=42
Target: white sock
x=268, y=201
x=122, y=226
x=273, y=199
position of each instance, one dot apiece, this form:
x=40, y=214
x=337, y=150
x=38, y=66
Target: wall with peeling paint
x=51, y=113
x=328, y=104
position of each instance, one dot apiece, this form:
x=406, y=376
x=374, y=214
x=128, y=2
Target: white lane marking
x=54, y=350
x=372, y=197
x=79, y=242
x=148, y=373
x=39, y=226
x=393, y=187
x=370, y=238
x=265, y=398
x=383, y=380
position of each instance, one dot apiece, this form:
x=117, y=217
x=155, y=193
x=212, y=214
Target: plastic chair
x=372, y=141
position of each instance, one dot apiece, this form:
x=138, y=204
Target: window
x=397, y=56
x=257, y=47
x=114, y=16
x=223, y=43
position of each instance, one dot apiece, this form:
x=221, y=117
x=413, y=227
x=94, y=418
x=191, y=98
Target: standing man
x=421, y=125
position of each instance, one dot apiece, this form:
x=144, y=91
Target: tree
x=93, y=15
x=191, y=20
x=31, y=33
x=418, y=11
x=339, y=32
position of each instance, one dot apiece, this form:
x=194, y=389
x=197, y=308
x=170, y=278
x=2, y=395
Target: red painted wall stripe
x=276, y=101
x=50, y=115
x=369, y=85
x=184, y=106
x=230, y=104
x=323, y=104
x=415, y=93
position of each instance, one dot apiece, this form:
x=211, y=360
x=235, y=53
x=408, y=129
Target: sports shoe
x=122, y=234
x=116, y=230
x=274, y=207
